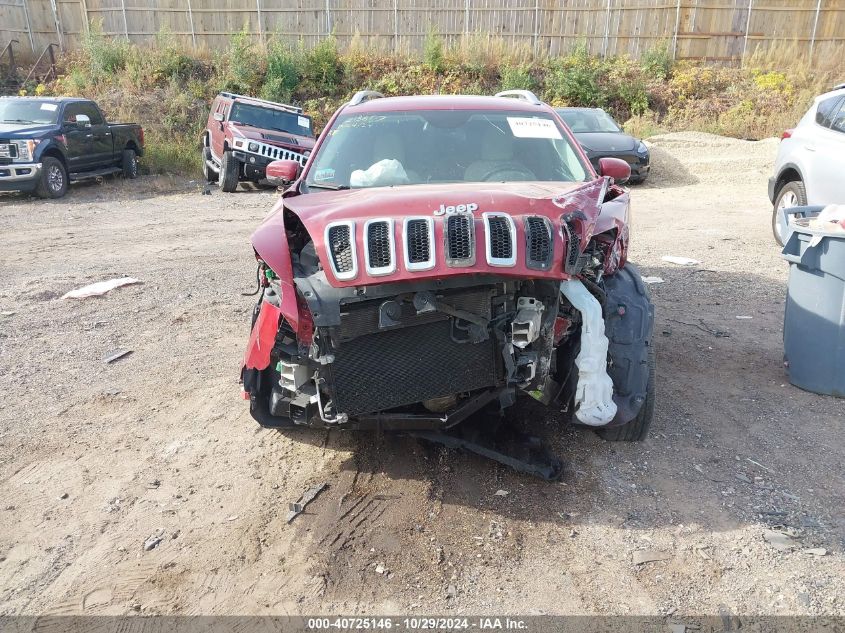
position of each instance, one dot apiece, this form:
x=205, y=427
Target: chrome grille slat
x=342, y=251
x=459, y=231
x=419, y=244
x=379, y=250
x=539, y=241
x=500, y=239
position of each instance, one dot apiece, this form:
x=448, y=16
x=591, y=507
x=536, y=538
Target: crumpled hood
x=321, y=209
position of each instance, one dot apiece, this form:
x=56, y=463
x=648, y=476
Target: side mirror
x=616, y=168
x=218, y=117
x=282, y=172
x=83, y=121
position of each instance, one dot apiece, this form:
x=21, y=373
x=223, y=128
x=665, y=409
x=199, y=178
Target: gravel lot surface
x=737, y=494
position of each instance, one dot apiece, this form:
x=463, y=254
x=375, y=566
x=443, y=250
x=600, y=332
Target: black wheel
x=53, y=180
x=208, y=173
x=129, y=163
x=637, y=429
x=229, y=169
x=792, y=194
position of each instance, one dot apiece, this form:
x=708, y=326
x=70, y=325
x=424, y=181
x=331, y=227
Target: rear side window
x=826, y=110
x=837, y=120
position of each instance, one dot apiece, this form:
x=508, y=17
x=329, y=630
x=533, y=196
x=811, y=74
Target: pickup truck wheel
x=130, y=164
x=208, y=173
x=52, y=182
x=792, y=194
x=637, y=429
x=229, y=169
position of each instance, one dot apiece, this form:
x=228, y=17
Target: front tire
x=52, y=183
x=637, y=429
x=229, y=169
x=792, y=194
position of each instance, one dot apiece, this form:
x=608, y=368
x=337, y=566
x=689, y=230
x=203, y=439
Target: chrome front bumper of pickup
x=14, y=172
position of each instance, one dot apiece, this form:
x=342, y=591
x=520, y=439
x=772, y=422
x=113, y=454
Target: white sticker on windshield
x=303, y=122
x=50, y=107
x=533, y=128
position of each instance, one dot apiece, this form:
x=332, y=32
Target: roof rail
x=285, y=106
x=524, y=95
x=364, y=95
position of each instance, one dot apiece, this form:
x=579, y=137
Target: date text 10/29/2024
x=416, y=624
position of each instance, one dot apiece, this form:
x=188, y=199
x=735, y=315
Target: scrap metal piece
x=297, y=507
x=116, y=354
x=534, y=460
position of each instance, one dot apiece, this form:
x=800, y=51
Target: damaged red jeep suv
x=245, y=134
x=438, y=255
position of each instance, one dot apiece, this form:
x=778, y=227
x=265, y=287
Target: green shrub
x=657, y=61
x=433, y=56
x=322, y=65
x=238, y=68
x=106, y=56
x=574, y=80
x=517, y=78
x=284, y=71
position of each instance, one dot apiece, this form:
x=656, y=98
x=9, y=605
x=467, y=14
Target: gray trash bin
x=814, y=322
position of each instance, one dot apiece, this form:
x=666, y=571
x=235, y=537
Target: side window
x=71, y=110
x=91, y=111
x=837, y=122
x=826, y=109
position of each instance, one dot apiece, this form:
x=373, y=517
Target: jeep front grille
x=501, y=239
x=340, y=243
x=419, y=243
x=379, y=247
x=538, y=243
x=460, y=240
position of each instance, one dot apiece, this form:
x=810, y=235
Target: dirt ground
x=95, y=458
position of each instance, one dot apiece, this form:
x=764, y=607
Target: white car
x=810, y=167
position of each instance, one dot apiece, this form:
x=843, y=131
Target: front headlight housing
x=642, y=150
x=253, y=147
x=26, y=148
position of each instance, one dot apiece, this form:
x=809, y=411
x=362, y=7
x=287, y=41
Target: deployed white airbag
x=594, y=394
x=384, y=173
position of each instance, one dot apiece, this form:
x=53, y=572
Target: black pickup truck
x=46, y=143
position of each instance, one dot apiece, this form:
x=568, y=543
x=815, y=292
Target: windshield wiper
x=328, y=186
x=17, y=121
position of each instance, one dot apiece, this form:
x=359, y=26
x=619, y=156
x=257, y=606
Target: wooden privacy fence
x=718, y=30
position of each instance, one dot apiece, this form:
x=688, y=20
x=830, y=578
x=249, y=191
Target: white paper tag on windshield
x=50, y=107
x=303, y=122
x=533, y=128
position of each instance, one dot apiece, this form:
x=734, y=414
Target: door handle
x=88, y=135
x=810, y=148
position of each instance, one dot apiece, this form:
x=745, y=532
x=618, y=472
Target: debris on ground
x=380, y=568
x=8, y=313
x=502, y=493
x=815, y=551
x=653, y=280
x=100, y=288
x=649, y=556
x=680, y=261
x=116, y=354
x=743, y=317
x=779, y=540
x=297, y=507
x=153, y=541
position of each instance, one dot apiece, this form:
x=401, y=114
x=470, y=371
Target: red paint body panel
x=270, y=241
x=262, y=337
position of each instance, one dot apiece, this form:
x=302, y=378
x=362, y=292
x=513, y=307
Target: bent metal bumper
x=19, y=176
